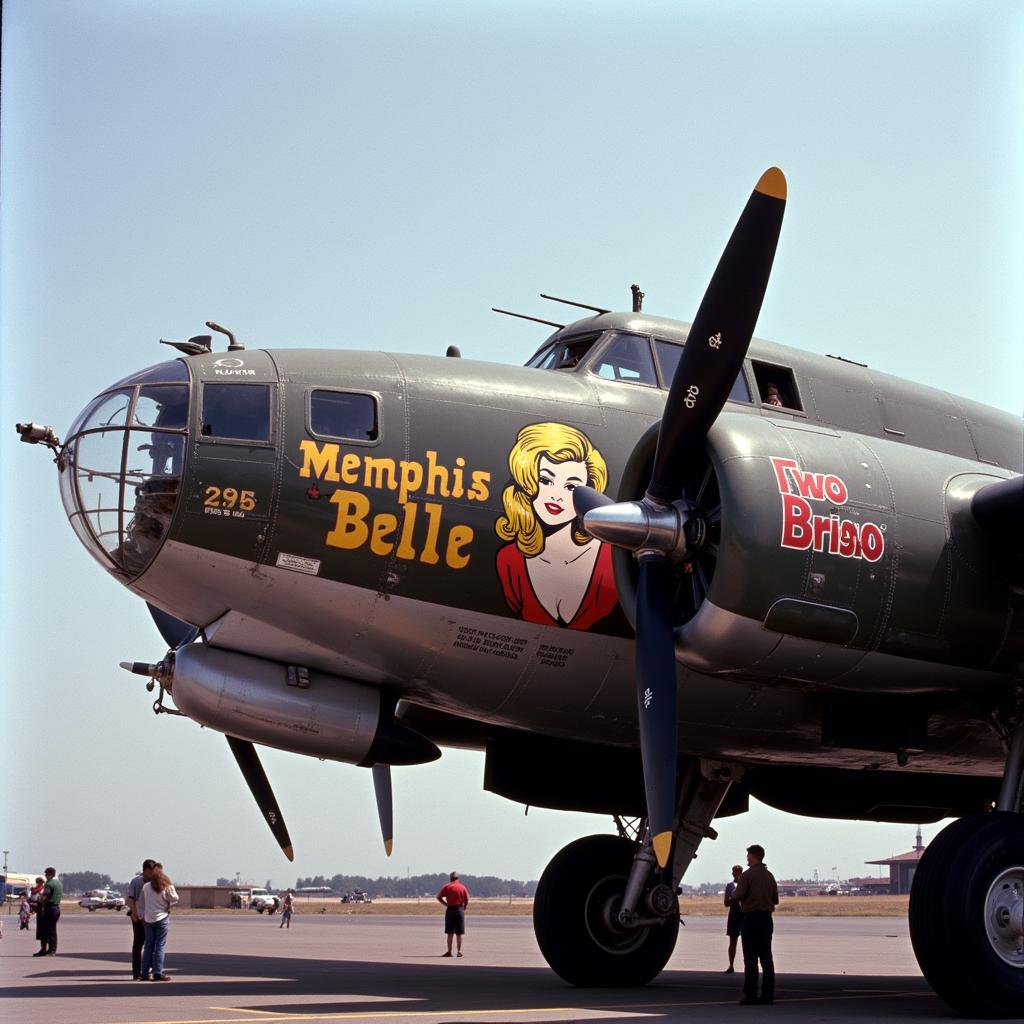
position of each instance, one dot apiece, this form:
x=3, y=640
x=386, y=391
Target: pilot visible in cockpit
x=772, y=396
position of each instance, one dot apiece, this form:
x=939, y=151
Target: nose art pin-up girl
x=551, y=572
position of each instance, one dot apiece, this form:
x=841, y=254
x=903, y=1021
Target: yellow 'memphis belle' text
x=353, y=524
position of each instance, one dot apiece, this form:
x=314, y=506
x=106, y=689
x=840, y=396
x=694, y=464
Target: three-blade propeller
x=658, y=529
x=177, y=633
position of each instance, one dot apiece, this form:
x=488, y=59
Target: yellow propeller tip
x=288, y=852
x=387, y=847
x=662, y=844
x=772, y=183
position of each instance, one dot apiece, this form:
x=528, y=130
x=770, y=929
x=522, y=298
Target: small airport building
x=206, y=897
x=902, y=867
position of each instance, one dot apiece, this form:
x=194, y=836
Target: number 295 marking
x=230, y=497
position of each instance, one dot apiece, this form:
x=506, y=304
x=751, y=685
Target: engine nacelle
x=843, y=559
x=305, y=712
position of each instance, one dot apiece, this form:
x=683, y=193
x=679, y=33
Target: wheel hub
x=602, y=917
x=661, y=900
x=1004, y=916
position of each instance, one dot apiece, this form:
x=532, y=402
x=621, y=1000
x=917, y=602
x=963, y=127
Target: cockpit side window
x=627, y=357
x=563, y=353
x=347, y=415
x=239, y=412
x=776, y=386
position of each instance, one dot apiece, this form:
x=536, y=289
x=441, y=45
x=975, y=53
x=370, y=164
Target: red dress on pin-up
x=600, y=599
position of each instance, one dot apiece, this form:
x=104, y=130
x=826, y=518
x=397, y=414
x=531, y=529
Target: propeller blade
x=385, y=808
x=586, y=499
x=720, y=334
x=256, y=778
x=656, y=697
x=175, y=632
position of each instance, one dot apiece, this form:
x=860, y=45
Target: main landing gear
x=603, y=914
x=576, y=918
x=967, y=905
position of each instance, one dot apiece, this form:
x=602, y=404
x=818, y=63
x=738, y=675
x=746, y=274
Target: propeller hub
x=644, y=527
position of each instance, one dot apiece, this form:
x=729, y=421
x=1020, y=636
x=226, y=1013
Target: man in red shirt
x=454, y=897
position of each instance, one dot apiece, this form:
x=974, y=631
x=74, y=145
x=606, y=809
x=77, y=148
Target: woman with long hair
x=155, y=900
x=552, y=572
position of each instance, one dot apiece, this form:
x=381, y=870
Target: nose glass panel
x=98, y=471
x=122, y=468
x=109, y=410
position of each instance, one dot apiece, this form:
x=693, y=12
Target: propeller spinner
x=660, y=529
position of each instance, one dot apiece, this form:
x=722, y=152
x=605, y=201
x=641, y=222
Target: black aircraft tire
x=574, y=918
x=954, y=905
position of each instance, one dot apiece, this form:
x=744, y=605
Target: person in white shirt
x=154, y=901
x=135, y=913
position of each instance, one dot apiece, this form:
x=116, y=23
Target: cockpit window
x=164, y=405
x=240, y=412
x=628, y=357
x=563, y=353
x=668, y=359
x=343, y=414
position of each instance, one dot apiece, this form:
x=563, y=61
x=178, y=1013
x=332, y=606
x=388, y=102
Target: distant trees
x=83, y=881
x=418, y=885
x=415, y=885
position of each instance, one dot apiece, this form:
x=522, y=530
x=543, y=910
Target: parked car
x=265, y=902
x=102, y=899
x=356, y=896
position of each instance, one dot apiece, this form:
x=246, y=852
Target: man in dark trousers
x=53, y=893
x=454, y=897
x=758, y=896
x=138, y=925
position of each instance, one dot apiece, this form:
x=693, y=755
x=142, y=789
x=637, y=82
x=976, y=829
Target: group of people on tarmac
x=752, y=897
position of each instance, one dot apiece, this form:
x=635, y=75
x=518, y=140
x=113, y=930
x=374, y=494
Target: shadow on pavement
x=313, y=987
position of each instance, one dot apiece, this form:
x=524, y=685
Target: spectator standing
x=48, y=913
x=156, y=898
x=286, y=909
x=135, y=913
x=35, y=896
x=734, y=922
x=454, y=897
x=24, y=913
x=758, y=897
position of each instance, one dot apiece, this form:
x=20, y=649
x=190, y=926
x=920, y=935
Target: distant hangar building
x=902, y=867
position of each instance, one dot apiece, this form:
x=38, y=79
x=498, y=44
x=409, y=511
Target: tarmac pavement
x=388, y=969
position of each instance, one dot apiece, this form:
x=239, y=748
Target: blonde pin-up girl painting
x=551, y=572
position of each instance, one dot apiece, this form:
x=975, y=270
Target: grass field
x=703, y=906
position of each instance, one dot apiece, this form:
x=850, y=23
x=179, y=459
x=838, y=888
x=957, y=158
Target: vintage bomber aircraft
x=362, y=556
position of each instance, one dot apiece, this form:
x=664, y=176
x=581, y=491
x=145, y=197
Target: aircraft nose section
x=122, y=467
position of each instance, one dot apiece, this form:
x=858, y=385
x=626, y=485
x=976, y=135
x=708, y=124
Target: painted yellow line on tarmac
x=249, y=1009
x=633, y=1008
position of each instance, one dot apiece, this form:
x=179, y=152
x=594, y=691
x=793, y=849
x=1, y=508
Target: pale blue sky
x=377, y=176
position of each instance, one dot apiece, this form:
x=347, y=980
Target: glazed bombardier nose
x=122, y=467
